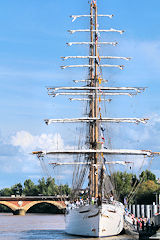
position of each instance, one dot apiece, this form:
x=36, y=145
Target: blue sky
x=32, y=40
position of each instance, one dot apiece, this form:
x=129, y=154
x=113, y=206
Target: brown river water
x=39, y=227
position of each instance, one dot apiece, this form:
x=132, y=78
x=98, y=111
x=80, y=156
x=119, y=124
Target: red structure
x=20, y=205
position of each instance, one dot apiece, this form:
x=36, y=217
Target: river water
x=39, y=227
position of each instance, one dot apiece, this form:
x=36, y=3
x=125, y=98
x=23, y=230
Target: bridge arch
x=9, y=205
x=59, y=205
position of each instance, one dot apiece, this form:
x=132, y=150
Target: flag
x=103, y=139
x=99, y=57
x=100, y=80
x=94, y=2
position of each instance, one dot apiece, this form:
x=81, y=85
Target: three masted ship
x=98, y=217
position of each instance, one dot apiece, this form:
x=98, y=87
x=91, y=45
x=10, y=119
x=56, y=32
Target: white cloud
x=25, y=143
x=28, y=142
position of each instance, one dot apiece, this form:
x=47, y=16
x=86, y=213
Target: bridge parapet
x=24, y=198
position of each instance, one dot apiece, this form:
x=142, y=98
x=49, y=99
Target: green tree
x=123, y=183
x=45, y=187
x=135, y=180
x=6, y=192
x=17, y=189
x=42, y=187
x=147, y=175
x=52, y=188
x=146, y=192
x=64, y=190
x=30, y=189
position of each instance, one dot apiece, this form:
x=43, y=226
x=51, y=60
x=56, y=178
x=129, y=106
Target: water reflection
x=38, y=226
x=47, y=234
x=59, y=234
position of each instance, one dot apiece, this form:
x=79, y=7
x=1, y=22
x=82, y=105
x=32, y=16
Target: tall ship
x=100, y=214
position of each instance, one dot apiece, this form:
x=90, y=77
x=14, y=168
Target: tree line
x=44, y=187
x=138, y=190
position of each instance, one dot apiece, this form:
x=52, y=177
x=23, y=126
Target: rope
x=142, y=179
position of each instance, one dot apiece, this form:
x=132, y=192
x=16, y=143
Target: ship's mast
x=93, y=92
x=91, y=114
x=96, y=105
x=93, y=176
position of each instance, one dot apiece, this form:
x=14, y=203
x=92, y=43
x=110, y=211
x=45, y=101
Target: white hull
x=91, y=220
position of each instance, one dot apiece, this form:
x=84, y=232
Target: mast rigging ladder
x=96, y=30
x=91, y=16
x=92, y=43
x=113, y=120
x=94, y=151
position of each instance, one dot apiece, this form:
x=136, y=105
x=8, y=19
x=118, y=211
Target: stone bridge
x=20, y=205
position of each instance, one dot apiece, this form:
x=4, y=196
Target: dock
x=155, y=236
